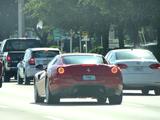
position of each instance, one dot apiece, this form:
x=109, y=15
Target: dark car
x=12, y=51
x=78, y=75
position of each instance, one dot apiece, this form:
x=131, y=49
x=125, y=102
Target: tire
x=145, y=91
x=0, y=82
x=50, y=99
x=37, y=98
x=157, y=91
x=6, y=77
x=15, y=76
x=26, y=80
x=101, y=100
x=19, y=79
x=115, y=100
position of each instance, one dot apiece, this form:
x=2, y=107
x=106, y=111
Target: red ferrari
x=78, y=75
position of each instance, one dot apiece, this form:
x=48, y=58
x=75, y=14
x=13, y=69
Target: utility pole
x=71, y=40
x=21, y=25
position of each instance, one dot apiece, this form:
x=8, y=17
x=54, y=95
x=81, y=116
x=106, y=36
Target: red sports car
x=0, y=73
x=78, y=75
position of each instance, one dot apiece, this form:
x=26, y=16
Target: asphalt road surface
x=17, y=103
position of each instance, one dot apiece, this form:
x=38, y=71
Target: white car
x=34, y=56
x=140, y=69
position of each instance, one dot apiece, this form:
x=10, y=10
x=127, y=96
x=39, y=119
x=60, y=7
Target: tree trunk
x=134, y=35
x=158, y=37
x=121, y=36
x=43, y=37
x=105, y=37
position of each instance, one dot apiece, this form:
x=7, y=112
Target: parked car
x=78, y=75
x=11, y=52
x=32, y=57
x=140, y=69
x=0, y=73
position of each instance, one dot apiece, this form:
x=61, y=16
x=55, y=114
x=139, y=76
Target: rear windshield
x=45, y=53
x=21, y=45
x=135, y=54
x=83, y=59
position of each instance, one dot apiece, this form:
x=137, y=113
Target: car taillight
x=31, y=61
x=114, y=70
x=8, y=58
x=60, y=70
x=122, y=66
x=155, y=66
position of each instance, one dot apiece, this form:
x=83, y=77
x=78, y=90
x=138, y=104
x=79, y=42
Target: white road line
x=3, y=106
x=53, y=118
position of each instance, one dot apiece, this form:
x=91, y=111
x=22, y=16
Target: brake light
x=114, y=70
x=60, y=70
x=155, y=66
x=8, y=58
x=31, y=61
x=122, y=66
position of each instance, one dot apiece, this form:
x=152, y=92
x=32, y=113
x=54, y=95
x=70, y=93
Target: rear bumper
x=11, y=69
x=138, y=81
x=140, y=86
x=87, y=91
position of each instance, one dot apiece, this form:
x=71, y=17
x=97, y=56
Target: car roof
x=123, y=50
x=43, y=48
x=23, y=38
x=69, y=54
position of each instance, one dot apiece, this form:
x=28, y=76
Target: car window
x=83, y=59
x=134, y=55
x=45, y=53
x=53, y=61
x=20, y=45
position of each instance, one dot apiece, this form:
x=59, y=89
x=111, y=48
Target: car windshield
x=134, y=54
x=21, y=45
x=45, y=53
x=83, y=59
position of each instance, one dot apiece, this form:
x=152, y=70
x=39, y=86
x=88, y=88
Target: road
x=17, y=103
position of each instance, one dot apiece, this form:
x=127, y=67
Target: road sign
x=84, y=33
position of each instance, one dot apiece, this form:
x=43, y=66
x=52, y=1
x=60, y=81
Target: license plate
x=45, y=62
x=89, y=77
x=138, y=68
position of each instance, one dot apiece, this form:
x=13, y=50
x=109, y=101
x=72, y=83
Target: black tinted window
x=83, y=59
x=20, y=45
x=45, y=53
x=135, y=54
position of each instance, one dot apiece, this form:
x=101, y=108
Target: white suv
x=33, y=56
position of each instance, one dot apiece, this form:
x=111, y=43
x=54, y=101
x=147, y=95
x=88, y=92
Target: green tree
x=8, y=18
x=95, y=16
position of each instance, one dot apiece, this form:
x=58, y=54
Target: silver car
x=140, y=69
x=34, y=56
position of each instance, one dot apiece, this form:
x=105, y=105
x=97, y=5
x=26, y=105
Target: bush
x=98, y=50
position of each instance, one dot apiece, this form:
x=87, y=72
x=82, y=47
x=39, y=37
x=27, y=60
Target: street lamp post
x=21, y=26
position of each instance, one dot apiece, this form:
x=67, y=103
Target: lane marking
x=3, y=106
x=53, y=118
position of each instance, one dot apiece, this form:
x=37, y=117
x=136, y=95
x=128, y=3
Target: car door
x=25, y=62
x=40, y=81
